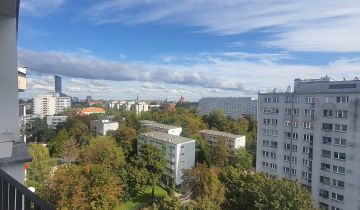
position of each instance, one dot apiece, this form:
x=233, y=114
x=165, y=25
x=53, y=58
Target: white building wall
x=308, y=159
x=44, y=104
x=62, y=103
x=54, y=121
x=235, y=107
x=185, y=159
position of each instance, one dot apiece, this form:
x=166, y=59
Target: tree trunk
x=153, y=191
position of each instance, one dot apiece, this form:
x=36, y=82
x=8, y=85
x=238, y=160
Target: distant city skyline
x=115, y=49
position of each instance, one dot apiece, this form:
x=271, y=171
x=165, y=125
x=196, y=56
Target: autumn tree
x=207, y=189
x=202, y=150
x=126, y=137
x=39, y=131
x=241, y=158
x=70, y=151
x=220, y=153
x=39, y=168
x=85, y=187
x=170, y=202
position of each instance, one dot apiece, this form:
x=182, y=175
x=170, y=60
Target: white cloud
x=295, y=25
x=40, y=7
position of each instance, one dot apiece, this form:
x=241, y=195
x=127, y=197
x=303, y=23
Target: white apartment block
x=232, y=141
x=235, y=107
x=44, y=104
x=50, y=104
x=101, y=127
x=154, y=126
x=140, y=107
x=54, y=121
x=311, y=135
x=179, y=153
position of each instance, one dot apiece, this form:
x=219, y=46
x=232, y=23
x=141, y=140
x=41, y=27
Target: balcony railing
x=14, y=195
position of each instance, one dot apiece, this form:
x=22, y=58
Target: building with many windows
x=50, y=104
x=232, y=141
x=311, y=135
x=54, y=121
x=155, y=126
x=179, y=153
x=235, y=107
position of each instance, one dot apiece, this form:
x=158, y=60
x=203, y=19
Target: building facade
x=54, y=121
x=179, y=153
x=232, y=141
x=102, y=127
x=154, y=126
x=311, y=135
x=50, y=104
x=235, y=107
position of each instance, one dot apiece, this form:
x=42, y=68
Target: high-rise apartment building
x=58, y=85
x=179, y=153
x=235, y=107
x=311, y=135
x=50, y=104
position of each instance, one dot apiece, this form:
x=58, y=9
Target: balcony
x=14, y=195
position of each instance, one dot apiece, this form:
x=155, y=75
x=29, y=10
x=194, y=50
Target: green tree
x=170, y=203
x=56, y=145
x=220, y=154
x=79, y=131
x=39, y=169
x=217, y=119
x=151, y=162
x=241, y=158
x=249, y=191
x=39, y=131
x=202, y=150
x=103, y=150
x=126, y=137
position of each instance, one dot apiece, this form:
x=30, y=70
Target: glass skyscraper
x=58, y=85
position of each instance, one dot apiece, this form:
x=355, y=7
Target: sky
x=164, y=49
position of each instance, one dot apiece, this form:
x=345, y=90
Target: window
x=342, y=99
x=327, y=113
x=328, y=99
x=327, y=126
x=266, y=142
x=326, y=140
x=295, y=135
x=308, y=125
x=287, y=135
x=326, y=153
x=323, y=206
x=337, y=197
x=287, y=146
x=275, y=110
x=336, y=208
x=287, y=123
x=293, y=171
x=267, y=99
x=294, y=159
x=324, y=193
x=341, y=113
x=338, y=183
x=276, y=99
x=340, y=142
x=265, y=153
x=310, y=100
x=294, y=148
x=273, y=155
x=288, y=111
x=305, y=175
x=308, y=162
x=308, y=137
x=265, y=164
x=325, y=180
x=274, y=144
x=266, y=121
x=339, y=169
x=287, y=158
x=339, y=155
x=274, y=122
x=286, y=170
x=340, y=128
x=267, y=111
x=325, y=167
x=296, y=112
x=309, y=112
x=295, y=124
x=273, y=166
x=306, y=150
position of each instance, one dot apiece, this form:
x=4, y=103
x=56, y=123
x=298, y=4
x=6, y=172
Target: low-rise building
x=54, y=121
x=155, y=126
x=101, y=127
x=179, y=153
x=139, y=107
x=232, y=141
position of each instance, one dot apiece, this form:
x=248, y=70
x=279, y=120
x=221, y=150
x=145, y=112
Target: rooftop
x=159, y=125
x=167, y=137
x=219, y=133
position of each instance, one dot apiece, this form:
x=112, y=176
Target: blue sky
x=161, y=49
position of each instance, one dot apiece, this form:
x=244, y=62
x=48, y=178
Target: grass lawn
x=143, y=199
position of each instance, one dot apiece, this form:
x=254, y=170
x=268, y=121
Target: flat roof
x=167, y=137
x=219, y=133
x=159, y=125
